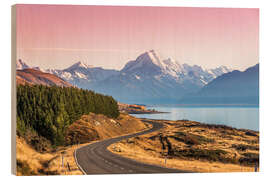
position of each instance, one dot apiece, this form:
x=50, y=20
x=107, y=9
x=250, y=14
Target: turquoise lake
x=238, y=117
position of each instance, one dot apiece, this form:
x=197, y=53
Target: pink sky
x=56, y=36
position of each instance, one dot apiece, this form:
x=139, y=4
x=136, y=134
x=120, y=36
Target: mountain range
x=235, y=87
x=147, y=79
x=33, y=76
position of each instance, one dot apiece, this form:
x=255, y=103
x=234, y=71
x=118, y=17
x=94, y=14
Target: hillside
x=48, y=111
x=193, y=146
x=32, y=76
x=97, y=127
x=88, y=129
x=235, y=87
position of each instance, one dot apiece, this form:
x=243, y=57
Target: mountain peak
x=79, y=64
x=155, y=58
x=148, y=61
x=21, y=65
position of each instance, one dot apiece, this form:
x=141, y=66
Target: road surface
x=96, y=159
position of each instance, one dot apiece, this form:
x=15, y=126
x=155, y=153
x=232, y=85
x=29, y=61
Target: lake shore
x=146, y=112
x=238, y=117
x=136, y=109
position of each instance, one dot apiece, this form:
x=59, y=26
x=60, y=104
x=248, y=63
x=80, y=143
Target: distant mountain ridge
x=82, y=75
x=147, y=79
x=32, y=76
x=235, y=87
x=20, y=65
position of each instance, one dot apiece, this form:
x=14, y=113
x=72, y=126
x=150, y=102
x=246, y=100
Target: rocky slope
x=32, y=76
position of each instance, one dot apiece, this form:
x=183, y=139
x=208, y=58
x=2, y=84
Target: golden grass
x=50, y=163
x=46, y=163
x=148, y=148
x=96, y=127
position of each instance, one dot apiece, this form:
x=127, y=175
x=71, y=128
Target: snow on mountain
x=150, y=64
x=155, y=80
x=137, y=77
x=33, y=76
x=78, y=65
x=218, y=71
x=39, y=69
x=80, y=75
x=147, y=77
x=20, y=65
x=83, y=75
x=147, y=63
x=236, y=87
x=155, y=59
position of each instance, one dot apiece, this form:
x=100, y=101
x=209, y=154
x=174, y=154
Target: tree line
x=48, y=111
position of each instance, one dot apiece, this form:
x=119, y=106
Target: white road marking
x=75, y=156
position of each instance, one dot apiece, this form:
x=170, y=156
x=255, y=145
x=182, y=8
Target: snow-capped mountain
x=149, y=63
x=148, y=78
x=32, y=76
x=83, y=75
x=218, y=71
x=20, y=65
x=236, y=87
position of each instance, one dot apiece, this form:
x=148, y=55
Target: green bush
x=211, y=155
x=191, y=139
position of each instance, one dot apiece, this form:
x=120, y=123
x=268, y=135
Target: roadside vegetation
x=88, y=129
x=50, y=120
x=193, y=146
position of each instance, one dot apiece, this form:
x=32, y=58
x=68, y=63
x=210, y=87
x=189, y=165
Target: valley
x=75, y=107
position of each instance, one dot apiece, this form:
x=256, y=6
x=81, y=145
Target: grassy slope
x=194, y=147
x=31, y=162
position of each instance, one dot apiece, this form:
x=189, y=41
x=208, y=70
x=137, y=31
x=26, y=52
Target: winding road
x=96, y=159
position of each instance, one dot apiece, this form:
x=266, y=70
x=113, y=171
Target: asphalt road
x=96, y=159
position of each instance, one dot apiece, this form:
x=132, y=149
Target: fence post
x=256, y=168
x=68, y=167
x=62, y=159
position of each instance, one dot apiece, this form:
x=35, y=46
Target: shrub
x=244, y=147
x=249, y=159
x=249, y=133
x=39, y=143
x=191, y=139
x=24, y=168
x=206, y=154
